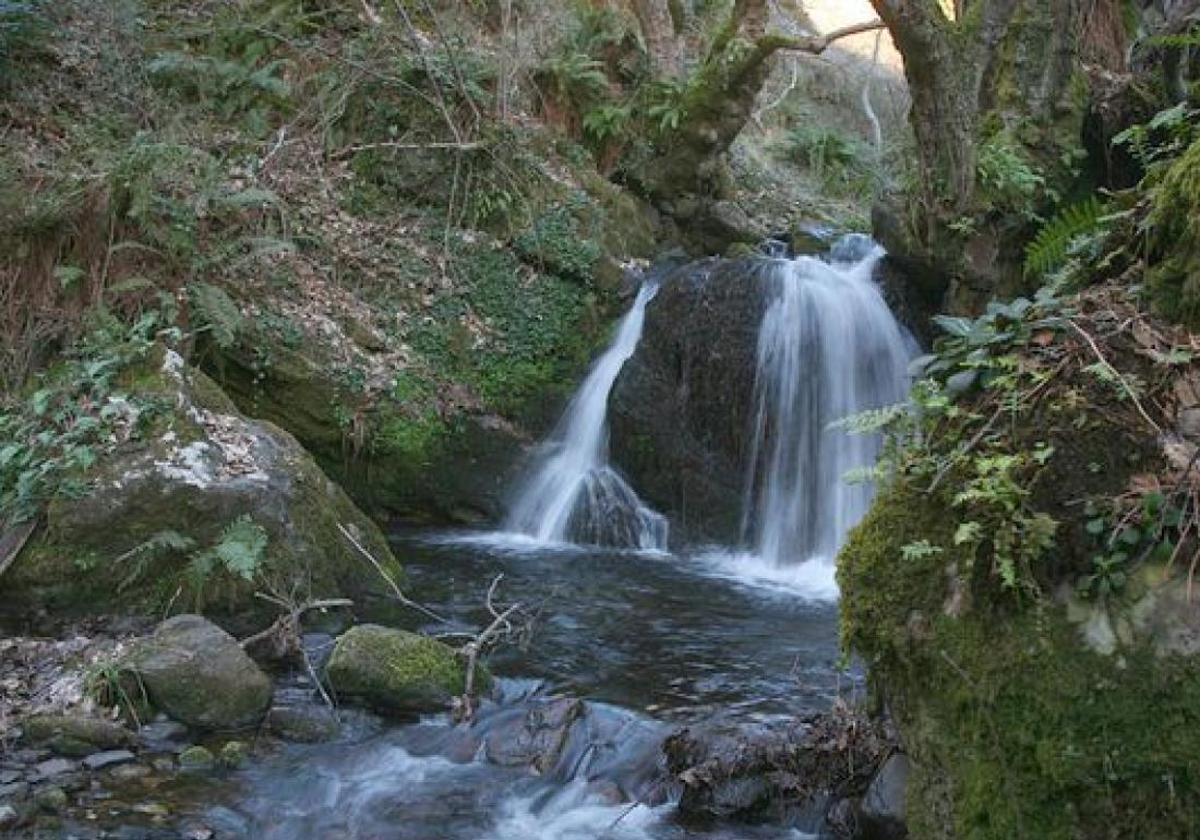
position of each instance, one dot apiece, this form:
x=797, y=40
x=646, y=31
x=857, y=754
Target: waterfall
x=828, y=347
x=572, y=494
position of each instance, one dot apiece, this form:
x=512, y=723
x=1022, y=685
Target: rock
x=535, y=738
x=9, y=818
x=14, y=791
x=233, y=754
x=196, y=758
x=89, y=732
x=198, y=674
x=309, y=724
x=109, y=758
x=394, y=671
x=156, y=810
x=193, y=472
x=7, y=777
x=124, y=773
x=881, y=814
x=163, y=763
x=161, y=734
x=53, y=767
x=52, y=799
x=680, y=410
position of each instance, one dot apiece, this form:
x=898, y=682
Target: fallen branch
x=286, y=631
x=400, y=596
x=1125, y=386
x=500, y=628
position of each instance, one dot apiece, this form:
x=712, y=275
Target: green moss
x=1016, y=729
x=1173, y=277
x=397, y=671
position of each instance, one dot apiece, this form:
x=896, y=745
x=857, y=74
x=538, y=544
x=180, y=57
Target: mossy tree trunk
x=661, y=22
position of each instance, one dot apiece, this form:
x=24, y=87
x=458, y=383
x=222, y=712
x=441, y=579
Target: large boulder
x=397, y=672
x=197, y=477
x=680, y=410
x=198, y=674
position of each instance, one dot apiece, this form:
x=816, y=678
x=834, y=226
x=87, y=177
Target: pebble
x=128, y=772
x=53, y=767
x=108, y=758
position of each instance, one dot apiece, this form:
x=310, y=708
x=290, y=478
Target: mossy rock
x=1014, y=724
x=199, y=675
x=200, y=468
x=397, y=672
x=76, y=735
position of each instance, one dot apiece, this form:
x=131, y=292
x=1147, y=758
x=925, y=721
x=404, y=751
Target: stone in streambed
x=76, y=735
x=308, y=724
x=198, y=674
x=108, y=758
x=397, y=672
x=196, y=758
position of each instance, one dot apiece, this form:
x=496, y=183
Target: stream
x=650, y=640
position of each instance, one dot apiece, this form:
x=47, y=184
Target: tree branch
x=816, y=44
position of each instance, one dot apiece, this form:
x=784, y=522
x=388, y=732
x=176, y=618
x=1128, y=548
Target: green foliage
x=148, y=552
x=234, y=88
x=573, y=77
x=554, y=242
x=1168, y=133
x=24, y=26
x=607, y=122
x=239, y=552
x=77, y=414
x=215, y=312
x=667, y=104
x=1008, y=180
x=1064, y=235
x=941, y=438
x=837, y=159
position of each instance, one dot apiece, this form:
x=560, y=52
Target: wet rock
x=196, y=758
x=394, y=671
x=76, y=731
x=308, y=724
x=162, y=734
x=7, y=777
x=53, y=767
x=163, y=763
x=14, y=791
x=198, y=674
x=152, y=809
x=123, y=773
x=535, y=738
x=881, y=814
x=9, y=818
x=109, y=758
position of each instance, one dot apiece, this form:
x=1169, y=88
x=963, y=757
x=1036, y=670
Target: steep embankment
x=1023, y=587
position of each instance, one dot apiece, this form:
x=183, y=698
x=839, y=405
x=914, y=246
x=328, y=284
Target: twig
x=400, y=596
x=364, y=147
x=292, y=616
x=1124, y=384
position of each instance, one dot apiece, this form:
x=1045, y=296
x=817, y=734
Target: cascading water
x=572, y=494
x=828, y=348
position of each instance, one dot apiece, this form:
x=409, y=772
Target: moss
x=1173, y=277
x=1014, y=726
x=397, y=671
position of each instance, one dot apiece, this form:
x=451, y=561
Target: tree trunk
x=663, y=43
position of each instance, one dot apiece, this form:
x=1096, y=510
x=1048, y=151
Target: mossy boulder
x=76, y=735
x=1016, y=722
x=134, y=539
x=397, y=672
x=198, y=674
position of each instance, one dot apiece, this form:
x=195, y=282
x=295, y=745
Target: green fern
x=214, y=311
x=1054, y=242
x=158, y=545
x=239, y=551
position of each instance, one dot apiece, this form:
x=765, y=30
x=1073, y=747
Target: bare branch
x=400, y=596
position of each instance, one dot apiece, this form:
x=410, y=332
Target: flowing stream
x=650, y=640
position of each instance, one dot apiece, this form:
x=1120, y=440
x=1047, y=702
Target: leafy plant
x=239, y=552
x=1060, y=237
x=216, y=313
x=1007, y=177
x=1167, y=133
x=573, y=77
x=607, y=122
x=667, y=105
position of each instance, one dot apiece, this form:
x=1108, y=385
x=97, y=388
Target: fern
x=216, y=312
x=871, y=421
x=239, y=551
x=1054, y=242
x=155, y=547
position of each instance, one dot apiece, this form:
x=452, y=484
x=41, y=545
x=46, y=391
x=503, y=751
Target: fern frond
x=215, y=311
x=1051, y=247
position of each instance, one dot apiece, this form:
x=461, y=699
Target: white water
x=828, y=348
x=572, y=494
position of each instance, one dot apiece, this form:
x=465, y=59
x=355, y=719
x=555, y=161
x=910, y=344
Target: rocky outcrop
x=199, y=675
x=397, y=672
x=156, y=512
x=679, y=412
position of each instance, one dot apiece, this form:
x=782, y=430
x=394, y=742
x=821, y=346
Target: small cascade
x=571, y=494
x=828, y=348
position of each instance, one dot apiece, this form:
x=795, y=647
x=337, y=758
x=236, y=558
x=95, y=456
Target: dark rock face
x=881, y=813
x=679, y=414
